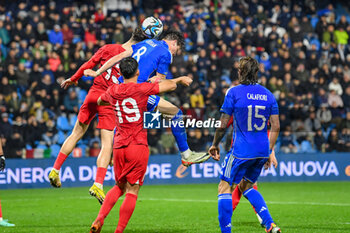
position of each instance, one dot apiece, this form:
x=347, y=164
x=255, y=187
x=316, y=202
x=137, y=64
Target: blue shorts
x=152, y=102
x=234, y=169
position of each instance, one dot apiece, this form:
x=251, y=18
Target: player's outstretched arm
x=111, y=62
x=2, y=158
x=157, y=78
x=166, y=86
x=184, y=80
x=214, y=150
x=67, y=83
x=91, y=63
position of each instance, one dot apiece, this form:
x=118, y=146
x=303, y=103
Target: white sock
x=186, y=154
x=100, y=186
x=1, y=219
x=260, y=220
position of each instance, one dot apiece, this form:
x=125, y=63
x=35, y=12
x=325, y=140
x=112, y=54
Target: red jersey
x=130, y=101
x=108, y=78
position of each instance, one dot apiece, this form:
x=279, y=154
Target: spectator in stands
x=15, y=145
x=71, y=102
x=334, y=99
x=168, y=142
x=324, y=115
x=344, y=140
x=153, y=141
x=312, y=124
x=67, y=34
x=287, y=142
x=197, y=100
x=95, y=139
x=333, y=144
x=335, y=85
x=320, y=141
x=56, y=36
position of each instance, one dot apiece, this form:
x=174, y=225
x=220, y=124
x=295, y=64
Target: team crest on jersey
x=151, y=120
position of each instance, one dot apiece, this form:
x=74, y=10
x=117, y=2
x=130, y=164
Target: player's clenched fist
x=91, y=73
x=68, y=82
x=214, y=152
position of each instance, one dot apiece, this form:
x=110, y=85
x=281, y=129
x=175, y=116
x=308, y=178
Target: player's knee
x=178, y=114
x=245, y=185
x=224, y=187
x=132, y=188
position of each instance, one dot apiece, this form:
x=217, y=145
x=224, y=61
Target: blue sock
x=255, y=198
x=179, y=132
x=225, y=212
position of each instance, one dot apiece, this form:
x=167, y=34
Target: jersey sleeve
x=274, y=107
x=228, y=105
x=94, y=60
x=150, y=88
x=164, y=63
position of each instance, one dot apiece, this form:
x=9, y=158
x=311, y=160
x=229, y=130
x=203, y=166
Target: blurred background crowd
x=302, y=46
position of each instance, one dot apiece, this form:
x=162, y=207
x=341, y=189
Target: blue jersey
x=153, y=56
x=251, y=107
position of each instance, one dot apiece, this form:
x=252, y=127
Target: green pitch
x=296, y=207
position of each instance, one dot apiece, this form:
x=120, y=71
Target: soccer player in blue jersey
x=154, y=58
x=251, y=106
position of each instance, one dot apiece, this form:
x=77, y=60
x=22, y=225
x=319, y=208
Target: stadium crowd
x=303, y=50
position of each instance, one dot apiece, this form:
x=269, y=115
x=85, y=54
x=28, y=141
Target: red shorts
x=130, y=164
x=106, y=116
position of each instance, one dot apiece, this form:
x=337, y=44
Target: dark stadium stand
x=303, y=50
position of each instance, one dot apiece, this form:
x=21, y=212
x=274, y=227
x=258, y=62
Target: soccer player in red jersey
x=3, y=222
x=89, y=109
x=130, y=149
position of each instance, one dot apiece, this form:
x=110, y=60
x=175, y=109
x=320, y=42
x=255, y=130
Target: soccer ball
x=152, y=27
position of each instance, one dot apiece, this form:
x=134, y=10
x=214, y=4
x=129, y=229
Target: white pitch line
x=269, y=202
x=194, y=200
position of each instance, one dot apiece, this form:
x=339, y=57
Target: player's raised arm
x=157, y=78
x=91, y=63
x=166, y=86
x=111, y=62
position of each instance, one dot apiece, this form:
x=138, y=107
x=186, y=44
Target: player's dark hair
x=248, y=71
x=173, y=34
x=128, y=67
x=138, y=35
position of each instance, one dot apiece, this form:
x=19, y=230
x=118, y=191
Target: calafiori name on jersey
x=256, y=97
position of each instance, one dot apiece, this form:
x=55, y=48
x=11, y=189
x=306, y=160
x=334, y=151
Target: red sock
x=0, y=211
x=126, y=211
x=236, y=197
x=256, y=188
x=110, y=200
x=60, y=160
x=100, y=175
